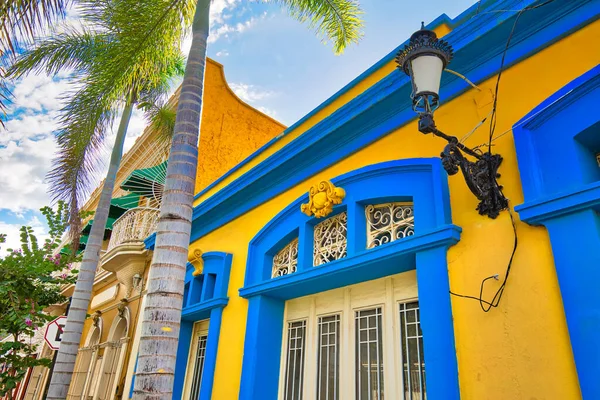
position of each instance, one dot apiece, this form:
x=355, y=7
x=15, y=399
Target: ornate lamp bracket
x=322, y=198
x=198, y=262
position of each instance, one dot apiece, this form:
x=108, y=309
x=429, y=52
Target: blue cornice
x=383, y=108
x=536, y=212
x=281, y=287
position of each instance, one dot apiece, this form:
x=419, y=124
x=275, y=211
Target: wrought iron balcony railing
x=133, y=226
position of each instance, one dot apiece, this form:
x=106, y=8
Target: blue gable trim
x=421, y=181
x=565, y=197
x=204, y=298
x=385, y=107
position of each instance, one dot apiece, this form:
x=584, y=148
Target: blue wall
x=556, y=145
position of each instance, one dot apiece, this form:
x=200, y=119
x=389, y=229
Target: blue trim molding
x=205, y=297
x=556, y=146
x=383, y=108
x=421, y=181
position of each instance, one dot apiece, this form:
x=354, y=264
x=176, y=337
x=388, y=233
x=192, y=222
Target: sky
x=271, y=61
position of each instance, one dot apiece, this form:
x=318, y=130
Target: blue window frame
x=422, y=182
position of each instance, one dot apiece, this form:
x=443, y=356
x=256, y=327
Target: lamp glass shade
x=427, y=74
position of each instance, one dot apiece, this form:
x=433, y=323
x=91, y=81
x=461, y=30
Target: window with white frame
x=328, y=358
x=196, y=357
x=285, y=262
x=388, y=222
x=295, y=360
x=368, y=330
x=413, y=356
x=331, y=241
x=199, y=365
x=344, y=344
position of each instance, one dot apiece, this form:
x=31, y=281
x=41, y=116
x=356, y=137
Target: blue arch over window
x=557, y=144
x=422, y=181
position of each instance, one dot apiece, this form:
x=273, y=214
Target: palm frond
x=161, y=118
x=71, y=50
x=133, y=59
x=336, y=20
x=20, y=19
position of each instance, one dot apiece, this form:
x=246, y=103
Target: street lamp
x=423, y=59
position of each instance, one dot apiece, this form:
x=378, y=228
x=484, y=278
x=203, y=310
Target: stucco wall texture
x=231, y=130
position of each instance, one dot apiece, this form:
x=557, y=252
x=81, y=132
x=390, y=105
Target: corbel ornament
x=122, y=307
x=197, y=262
x=322, y=198
x=96, y=318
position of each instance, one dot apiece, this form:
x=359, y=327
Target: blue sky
x=271, y=61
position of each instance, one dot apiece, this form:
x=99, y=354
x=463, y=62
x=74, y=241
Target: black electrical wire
x=486, y=306
x=512, y=31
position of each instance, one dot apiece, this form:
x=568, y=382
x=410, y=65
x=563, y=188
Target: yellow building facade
x=293, y=287
x=341, y=261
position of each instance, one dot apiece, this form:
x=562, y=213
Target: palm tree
x=118, y=62
x=335, y=19
x=20, y=20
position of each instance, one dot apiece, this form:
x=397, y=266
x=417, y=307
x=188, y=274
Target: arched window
x=85, y=363
x=389, y=222
x=115, y=349
x=285, y=262
x=331, y=239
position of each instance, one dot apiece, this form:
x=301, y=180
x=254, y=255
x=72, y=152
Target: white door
x=359, y=342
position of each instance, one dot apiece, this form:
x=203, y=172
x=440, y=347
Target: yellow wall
x=520, y=350
x=231, y=130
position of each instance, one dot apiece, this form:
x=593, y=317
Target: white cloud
x=218, y=8
x=251, y=93
x=23, y=167
x=12, y=232
x=39, y=93
x=224, y=30
x=222, y=53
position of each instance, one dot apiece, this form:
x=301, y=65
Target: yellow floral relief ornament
x=322, y=198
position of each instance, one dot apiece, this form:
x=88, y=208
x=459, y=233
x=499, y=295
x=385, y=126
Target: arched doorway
x=115, y=349
x=86, y=361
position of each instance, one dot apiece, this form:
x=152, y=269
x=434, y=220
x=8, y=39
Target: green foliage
x=32, y=277
x=337, y=20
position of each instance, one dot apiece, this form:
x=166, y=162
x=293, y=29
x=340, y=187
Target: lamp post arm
x=454, y=140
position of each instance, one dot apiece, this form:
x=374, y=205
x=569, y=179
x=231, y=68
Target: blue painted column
x=210, y=358
x=262, y=349
x=437, y=325
x=575, y=241
x=183, y=349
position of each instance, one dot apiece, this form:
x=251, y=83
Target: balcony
x=126, y=254
x=133, y=227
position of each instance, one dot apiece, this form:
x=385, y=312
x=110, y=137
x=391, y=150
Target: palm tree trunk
x=162, y=313
x=67, y=353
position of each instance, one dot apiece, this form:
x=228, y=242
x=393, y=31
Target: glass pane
x=295, y=360
x=198, y=367
x=413, y=357
x=328, y=358
x=369, y=354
